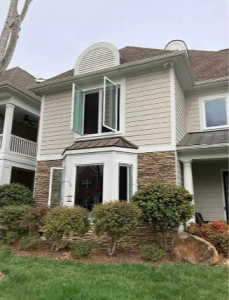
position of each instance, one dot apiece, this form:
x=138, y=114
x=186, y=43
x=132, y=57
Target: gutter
x=196, y=147
x=107, y=71
x=210, y=81
x=6, y=85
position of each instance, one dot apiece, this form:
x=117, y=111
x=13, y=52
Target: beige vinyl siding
x=193, y=110
x=148, y=109
x=208, y=189
x=56, y=133
x=180, y=111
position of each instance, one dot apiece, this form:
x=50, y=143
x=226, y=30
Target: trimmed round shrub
x=215, y=232
x=114, y=220
x=82, y=249
x=164, y=206
x=10, y=238
x=29, y=243
x=21, y=219
x=65, y=221
x=15, y=194
x=151, y=253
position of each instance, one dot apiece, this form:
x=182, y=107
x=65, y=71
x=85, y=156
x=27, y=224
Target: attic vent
x=98, y=56
x=177, y=45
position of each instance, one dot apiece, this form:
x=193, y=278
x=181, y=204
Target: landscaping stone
x=195, y=250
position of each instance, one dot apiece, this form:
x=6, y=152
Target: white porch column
x=7, y=128
x=188, y=181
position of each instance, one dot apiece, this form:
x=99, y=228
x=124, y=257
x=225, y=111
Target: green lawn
x=38, y=279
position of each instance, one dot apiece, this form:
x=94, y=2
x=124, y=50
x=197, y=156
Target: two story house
x=122, y=118
x=19, y=120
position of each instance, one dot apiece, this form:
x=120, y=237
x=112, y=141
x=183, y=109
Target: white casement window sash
x=110, y=105
x=78, y=99
x=130, y=182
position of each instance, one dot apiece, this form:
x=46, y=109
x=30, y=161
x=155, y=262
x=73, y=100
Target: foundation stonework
x=42, y=180
x=156, y=166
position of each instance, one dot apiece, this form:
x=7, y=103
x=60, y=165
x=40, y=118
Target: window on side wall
x=98, y=111
x=215, y=113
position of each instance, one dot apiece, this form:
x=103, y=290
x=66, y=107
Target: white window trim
x=50, y=183
x=223, y=192
x=123, y=164
x=202, y=101
x=88, y=163
x=99, y=87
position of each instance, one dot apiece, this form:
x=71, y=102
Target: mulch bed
x=122, y=255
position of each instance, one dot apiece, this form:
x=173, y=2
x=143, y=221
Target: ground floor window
x=89, y=186
x=23, y=177
x=125, y=182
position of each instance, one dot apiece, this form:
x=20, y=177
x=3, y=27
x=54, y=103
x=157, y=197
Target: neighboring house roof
x=19, y=80
x=109, y=142
x=205, y=138
x=205, y=65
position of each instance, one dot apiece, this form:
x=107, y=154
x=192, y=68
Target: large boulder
x=195, y=250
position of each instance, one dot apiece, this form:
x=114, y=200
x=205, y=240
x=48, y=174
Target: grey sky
x=55, y=32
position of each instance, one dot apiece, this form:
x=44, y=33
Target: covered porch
x=18, y=130
x=204, y=169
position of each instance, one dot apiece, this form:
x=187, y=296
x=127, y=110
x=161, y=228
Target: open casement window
x=55, y=197
x=110, y=105
x=77, y=109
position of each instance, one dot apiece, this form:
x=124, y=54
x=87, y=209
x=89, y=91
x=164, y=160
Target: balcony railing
x=23, y=146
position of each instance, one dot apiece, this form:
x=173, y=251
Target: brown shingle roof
x=19, y=79
x=205, y=138
x=109, y=142
x=204, y=64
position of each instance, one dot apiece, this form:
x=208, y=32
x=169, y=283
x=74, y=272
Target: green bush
x=29, y=243
x=21, y=219
x=80, y=250
x=114, y=220
x=10, y=238
x=164, y=206
x=15, y=194
x=151, y=253
x=65, y=221
x=215, y=232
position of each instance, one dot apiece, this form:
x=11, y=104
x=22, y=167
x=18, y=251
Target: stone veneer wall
x=143, y=235
x=156, y=166
x=42, y=180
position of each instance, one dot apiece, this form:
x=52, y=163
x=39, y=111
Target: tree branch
x=25, y=9
x=10, y=33
x=12, y=13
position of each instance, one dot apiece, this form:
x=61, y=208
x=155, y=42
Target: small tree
x=15, y=194
x=114, y=220
x=164, y=206
x=65, y=221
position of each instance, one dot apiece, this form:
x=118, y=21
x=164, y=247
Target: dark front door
x=226, y=187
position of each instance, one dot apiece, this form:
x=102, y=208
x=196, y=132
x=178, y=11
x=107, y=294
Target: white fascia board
x=149, y=62
x=194, y=147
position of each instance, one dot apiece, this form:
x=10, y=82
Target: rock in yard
x=195, y=250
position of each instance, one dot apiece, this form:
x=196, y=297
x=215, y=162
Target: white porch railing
x=23, y=146
x=1, y=136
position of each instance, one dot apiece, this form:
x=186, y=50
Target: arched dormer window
x=97, y=57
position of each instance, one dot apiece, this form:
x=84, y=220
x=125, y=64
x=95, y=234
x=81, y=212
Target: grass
x=38, y=279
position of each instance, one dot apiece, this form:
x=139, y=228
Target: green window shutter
x=130, y=170
x=110, y=105
x=78, y=107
